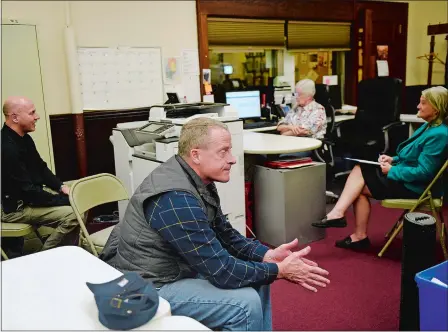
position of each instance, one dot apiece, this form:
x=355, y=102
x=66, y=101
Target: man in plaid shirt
x=204, y=268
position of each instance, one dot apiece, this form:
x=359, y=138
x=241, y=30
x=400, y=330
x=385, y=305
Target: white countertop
x=344, y=117
x=337, y=119
x=411, y=118
x=259, y=143
x=260, y=130
x=47, y=291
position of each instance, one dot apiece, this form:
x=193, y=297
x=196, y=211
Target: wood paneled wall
x=98, y=128
x=387, y=19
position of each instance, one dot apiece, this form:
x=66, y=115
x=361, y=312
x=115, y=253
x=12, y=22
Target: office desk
x=47, y=291
x=413, y=120
x=259, y=143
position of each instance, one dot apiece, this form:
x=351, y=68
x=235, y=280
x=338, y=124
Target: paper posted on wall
x=383, y=68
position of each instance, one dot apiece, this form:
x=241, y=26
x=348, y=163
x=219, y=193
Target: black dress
x=383, y=188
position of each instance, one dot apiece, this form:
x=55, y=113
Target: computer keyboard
x=255, y=125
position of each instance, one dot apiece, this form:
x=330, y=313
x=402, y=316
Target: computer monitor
x=333, y=93
x=336, y=96
x=228, y=69
x=247, y=103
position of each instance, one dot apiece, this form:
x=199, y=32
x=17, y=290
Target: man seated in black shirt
x=31, y=193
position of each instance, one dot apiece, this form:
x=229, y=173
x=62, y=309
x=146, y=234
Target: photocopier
x=140, y=147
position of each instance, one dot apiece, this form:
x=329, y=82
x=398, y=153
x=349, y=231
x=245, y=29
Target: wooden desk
x=258, y=143
x=47, y=291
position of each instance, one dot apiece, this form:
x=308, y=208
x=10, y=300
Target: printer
x=283, y=92
x=141, y=146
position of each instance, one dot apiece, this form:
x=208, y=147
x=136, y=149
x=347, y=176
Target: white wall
x=170, y=25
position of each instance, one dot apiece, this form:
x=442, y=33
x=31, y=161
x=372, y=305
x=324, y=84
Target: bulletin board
x=120, y=78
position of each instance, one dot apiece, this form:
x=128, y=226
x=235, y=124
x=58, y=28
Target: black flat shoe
x=326, y=223
x=347, y=243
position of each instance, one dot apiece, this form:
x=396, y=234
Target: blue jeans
x=242, y=309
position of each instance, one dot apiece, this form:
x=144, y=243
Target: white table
x=412, y=119
x=260, y=130
x=47, y=291
x=337, y=119
x=259, y=143
x=176, y=323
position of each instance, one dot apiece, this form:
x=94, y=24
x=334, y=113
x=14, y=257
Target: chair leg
x=89, y=241
x=394, y=234
x=4, y=255
x=443, y=223
x=36, y=232
x=247, y=227
x=443, y=232
x=390, y=231
x=440, y=229
x=400, y=219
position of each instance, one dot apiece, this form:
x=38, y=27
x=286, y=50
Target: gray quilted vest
x=135, y=246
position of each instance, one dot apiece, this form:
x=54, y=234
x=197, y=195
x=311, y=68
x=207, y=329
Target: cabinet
x=287, y=201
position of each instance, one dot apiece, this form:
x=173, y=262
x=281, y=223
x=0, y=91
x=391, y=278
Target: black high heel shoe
x=327, y=223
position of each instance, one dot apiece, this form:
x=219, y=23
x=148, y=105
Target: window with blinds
x=318, y=35
x=245, y=32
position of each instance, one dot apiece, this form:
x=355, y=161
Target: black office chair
x=325, y=152
x=376, y=128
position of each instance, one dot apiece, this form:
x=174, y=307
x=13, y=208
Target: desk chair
x=376, y=125
x=425, y=202
x=89, y=192
x=325, y=152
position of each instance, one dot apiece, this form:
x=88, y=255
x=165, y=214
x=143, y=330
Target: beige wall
x=422, y=14
x=170, y=25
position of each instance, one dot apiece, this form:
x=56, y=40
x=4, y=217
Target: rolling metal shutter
x=318, y=35
x=226, y=32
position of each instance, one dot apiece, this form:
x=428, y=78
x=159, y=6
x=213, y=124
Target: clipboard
x=364, y=161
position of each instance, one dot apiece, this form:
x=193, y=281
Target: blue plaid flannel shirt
x=213, y=249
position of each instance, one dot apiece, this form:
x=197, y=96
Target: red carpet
x=364, y=293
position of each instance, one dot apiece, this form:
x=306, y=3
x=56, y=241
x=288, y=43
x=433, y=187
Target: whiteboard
x=120, y=78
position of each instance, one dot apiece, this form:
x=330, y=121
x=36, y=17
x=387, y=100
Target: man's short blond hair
x=195, y=134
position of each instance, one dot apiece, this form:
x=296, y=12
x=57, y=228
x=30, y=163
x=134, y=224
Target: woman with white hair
x=406, y=175
x=308, y=117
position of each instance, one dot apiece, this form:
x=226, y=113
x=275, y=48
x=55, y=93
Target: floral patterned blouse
x=311, y=117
